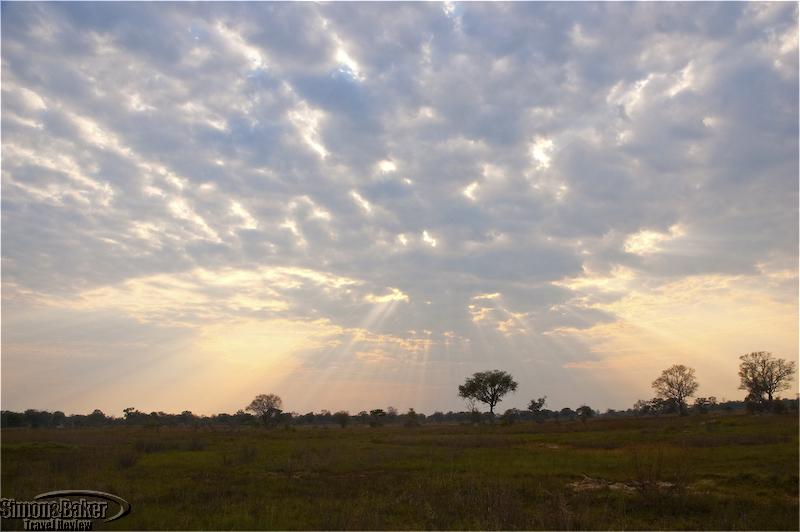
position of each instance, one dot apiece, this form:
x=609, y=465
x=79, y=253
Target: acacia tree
x=676, y=384
x=266, y=406
x=487, y=387
x=536, y=406
x=762, y=375
x=376, y=417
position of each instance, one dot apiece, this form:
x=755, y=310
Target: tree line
x=762, y=376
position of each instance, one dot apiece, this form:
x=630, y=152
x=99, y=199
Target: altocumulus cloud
x=358, y=205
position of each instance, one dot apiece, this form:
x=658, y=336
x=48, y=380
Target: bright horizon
x=356, y=206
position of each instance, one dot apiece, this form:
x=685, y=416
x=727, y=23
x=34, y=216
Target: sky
x=360, y=205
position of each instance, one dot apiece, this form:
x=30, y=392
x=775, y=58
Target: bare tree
x=676, y=384
x=267, y=407
x=470, y=402
x=474, y=413
x=762, y=375
x=487, y=387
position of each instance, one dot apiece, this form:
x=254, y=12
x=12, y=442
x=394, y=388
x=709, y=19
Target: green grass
x=730, y=472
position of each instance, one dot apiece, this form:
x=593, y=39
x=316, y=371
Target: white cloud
x=387, y=166
x=428, y=239
x=393, y=295
x=361, y=201
x=307, y=121
x=541, y=151
x=248, y=222
x=235, y=41
x=645, y=241
x=470, y=190
x=344, y=58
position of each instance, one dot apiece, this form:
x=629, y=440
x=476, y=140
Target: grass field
x=701, y=472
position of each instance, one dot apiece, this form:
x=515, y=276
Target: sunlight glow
x=393, y=295
x=350, y=64
x=703, y=321
x=541, y=151
x=238, y=45
x=428, y=239
x=469, y=190
x=494, y=295
x=618, y=279
x=181, y=209
x=307, y=121
x=361, y=201
x=387, y=166
x=293, y=228
x=645, y=242
x=204, y=294
x=248, y=222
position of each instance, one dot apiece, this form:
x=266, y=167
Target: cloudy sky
x=356, y=206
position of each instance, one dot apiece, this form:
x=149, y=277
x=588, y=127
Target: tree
x=487, y=387
x=762, y=375
x=35, y=418
x=655, y=406
x=676, y=384
x=376, y=417
x=11, y=419
x=59, y=418
x=510, y=416
x=342, y=417
x=703, y=404
x=584, y=412
x=267, y=407
x=96, y=418
x=536, y=406
x=412, y=418
x=641, y=407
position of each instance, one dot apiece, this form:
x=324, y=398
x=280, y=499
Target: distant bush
x=412, y=419
x=510, y=416
x=376, y=417
x=342, y=418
